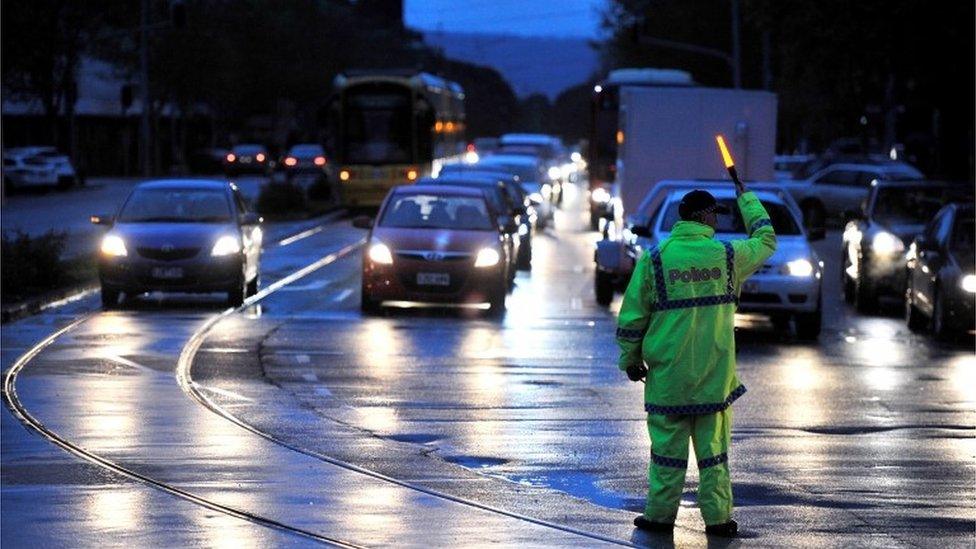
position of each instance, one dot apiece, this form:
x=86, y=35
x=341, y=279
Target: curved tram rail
x=185, y=380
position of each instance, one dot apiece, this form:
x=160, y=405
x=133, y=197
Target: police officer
x=676, y=329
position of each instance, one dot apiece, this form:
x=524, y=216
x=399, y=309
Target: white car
x=840, y=188
x=37, y=167
x=788, y=286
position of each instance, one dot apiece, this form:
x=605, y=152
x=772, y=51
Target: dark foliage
x=31, y=264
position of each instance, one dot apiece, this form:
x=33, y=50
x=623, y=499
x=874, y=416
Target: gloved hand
x=636, y=372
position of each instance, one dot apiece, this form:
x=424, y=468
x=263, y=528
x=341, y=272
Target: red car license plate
x=433, y=279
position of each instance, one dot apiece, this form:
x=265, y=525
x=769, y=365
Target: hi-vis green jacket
x=678, y=313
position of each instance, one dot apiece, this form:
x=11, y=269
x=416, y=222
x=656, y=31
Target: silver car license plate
x=433, y=279
x=168, y=273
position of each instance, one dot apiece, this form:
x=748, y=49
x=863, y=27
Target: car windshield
x=962, y=237
x=425, y=211
x=496, y=196
x=176, y=205
x=783, y=221
x=912, y=205
x=248, y=149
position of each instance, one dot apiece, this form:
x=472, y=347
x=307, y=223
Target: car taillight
x=259, y=157
x=231, y=157
x=320, y=161
x=291, y=161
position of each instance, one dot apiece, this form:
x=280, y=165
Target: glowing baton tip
x=726, y=156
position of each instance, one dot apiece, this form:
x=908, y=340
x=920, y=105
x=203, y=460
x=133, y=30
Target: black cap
x=699, y=202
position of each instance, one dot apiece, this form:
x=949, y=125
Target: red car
x=434, y=244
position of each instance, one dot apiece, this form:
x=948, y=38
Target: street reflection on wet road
x=865, y=438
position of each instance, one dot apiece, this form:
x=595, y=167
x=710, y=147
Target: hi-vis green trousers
x=711, y=435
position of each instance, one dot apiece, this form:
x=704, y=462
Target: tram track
x=186, y=383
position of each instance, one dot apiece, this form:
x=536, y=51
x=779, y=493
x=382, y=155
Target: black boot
x=651, y=526
x=726, y=529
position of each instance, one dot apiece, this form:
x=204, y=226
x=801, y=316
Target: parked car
x=509, y=213
x=434, y=244
x=941, y=292
x=788, y=286
x=247, y=158
x=875, y=238
x=305, y=158
x=785, y=166
x=38, y=167
x=180, y=235
x=840, y=187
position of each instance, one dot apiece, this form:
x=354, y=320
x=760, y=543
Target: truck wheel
x=808, y=325
x=865, y=296
x=110, y=297
x=603, y=287
x=913, y=317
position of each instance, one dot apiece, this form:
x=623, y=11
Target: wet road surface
x=432, y=428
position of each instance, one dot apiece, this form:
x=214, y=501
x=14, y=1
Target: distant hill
x=530, y=64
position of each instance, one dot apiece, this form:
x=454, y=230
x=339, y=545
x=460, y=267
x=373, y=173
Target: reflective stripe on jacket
x=678, y=313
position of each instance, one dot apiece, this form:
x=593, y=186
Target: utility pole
x=736, y=62
x=144, y=130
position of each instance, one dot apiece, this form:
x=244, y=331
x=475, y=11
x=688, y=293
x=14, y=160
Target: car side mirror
x=251, y=218
x=102, y=219
x=640, y=230
x=363, y=222
x=816, y=233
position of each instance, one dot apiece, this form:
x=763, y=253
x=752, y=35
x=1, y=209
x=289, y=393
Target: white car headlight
x=487, y=257
x=114, y=245
x=968, y=283
x=887, y=243
x=799, y=267
x=600, y=195
x=226, y=245
x=380, y=253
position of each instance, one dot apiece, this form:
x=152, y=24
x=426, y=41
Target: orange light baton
x=727, y=158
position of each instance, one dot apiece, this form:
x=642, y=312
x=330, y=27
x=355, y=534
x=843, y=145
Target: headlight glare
x=487, y=257
x=968, y=283
x=600, y=195
x=799, y=267
x=113, y=245
x=523, y=230
x=887, y=243
x=226, y=245
x=380, y=253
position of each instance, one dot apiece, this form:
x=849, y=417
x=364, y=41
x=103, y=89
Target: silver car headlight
x=380, y=253
x=886, y=243
x=600, y=195
x=798, y=267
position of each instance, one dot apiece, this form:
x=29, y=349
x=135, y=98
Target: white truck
x=668, y=133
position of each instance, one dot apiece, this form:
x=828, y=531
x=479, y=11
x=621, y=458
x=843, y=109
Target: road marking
x=310, y=377
x=301, y=235
x=126, y=362
x=224, y=392
x=341, y=296
x=302, y=358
